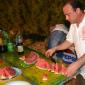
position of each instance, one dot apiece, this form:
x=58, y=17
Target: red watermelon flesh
x=56, y=68
x=63, y=69
x=2, y=74
x=7, y=72
x=30, y=58
x=42, y=64
x=52, y=67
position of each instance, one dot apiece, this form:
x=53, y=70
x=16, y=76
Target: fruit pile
x=45, y=65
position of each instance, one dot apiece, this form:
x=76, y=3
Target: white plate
x=18, y=71
x=18, y=83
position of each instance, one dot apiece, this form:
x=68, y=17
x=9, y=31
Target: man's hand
x=50, y=52
x=72, y=69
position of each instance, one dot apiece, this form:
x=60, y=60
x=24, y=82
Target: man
x=74, y=13
x=57, y=36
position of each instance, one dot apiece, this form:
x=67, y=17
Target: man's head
x=73, y=11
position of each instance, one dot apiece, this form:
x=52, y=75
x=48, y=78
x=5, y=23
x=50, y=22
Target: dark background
x=31, y=16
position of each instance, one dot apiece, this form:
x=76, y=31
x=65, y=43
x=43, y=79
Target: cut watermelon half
x=30, y=58
x=9, y=72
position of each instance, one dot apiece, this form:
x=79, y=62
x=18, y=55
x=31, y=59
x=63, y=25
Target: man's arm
x=81, y=60
x=72, y=68
x=66, y=44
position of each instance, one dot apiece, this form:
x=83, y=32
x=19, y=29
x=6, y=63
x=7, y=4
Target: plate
x=69, y=58
x=18, y=83
x=18, y=72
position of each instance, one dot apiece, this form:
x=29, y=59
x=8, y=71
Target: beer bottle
x=19, y=44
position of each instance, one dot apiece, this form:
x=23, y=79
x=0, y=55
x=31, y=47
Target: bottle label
x=20, y=48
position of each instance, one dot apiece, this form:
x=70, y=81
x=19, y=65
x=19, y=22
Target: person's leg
x=54, y=39
x=80, y=80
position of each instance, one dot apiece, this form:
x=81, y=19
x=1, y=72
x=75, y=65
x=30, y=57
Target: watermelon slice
x=52, y=67
x=63, y=69
x=42, y=64
x=10, y=72
x=45, y=65
x=45, y=77
x=30, y=58
x=2, y=74
x=56, y=70
x=7, y=72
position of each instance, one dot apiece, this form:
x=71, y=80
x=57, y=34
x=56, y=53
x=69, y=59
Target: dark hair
x=76, y=4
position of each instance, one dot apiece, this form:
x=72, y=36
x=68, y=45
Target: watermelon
x=7, y=72
x=63, y=69
x=45, y=77
x=45, y=65
x=30, y=57
x=56, y=70
x=42, y=64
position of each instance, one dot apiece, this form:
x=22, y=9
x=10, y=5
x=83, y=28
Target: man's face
x=70, y=13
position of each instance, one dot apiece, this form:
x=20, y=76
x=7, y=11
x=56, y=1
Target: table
x=29, y=72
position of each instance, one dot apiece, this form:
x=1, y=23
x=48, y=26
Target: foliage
x=31, y=16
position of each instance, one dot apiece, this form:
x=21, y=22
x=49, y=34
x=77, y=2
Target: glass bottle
x=5, y=38
x=19, y=43
x=2, y=45
x=10, y=46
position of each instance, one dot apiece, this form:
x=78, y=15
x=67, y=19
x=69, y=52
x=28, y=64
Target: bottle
x=2, y=44
x=6, y=38
x=10, y=46
x=5, y=34
x=19, y=43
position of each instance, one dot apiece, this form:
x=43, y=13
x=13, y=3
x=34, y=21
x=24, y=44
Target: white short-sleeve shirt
x=76, y=35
